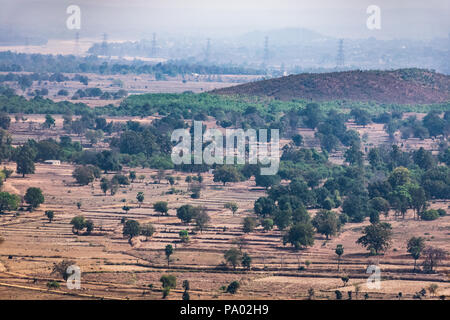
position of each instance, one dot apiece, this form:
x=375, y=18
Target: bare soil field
x=112, y=268
x=133, y=84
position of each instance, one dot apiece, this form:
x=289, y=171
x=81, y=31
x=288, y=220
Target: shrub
x=53, y=285
x=233, y=287
x=429, y=215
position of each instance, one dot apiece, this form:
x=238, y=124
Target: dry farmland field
x=114, y=268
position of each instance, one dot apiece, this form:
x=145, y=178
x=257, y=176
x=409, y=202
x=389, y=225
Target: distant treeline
x=188, y=105
x=16, y=62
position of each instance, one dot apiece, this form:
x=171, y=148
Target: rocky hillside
x=403, y=86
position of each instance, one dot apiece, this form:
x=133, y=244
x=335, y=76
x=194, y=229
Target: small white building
x=53, y=162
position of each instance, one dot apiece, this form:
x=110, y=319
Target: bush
x=233, y=287
x=429, y=215
x=441, y=212
x=53, y=285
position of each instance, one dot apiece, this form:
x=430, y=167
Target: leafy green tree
x=233, y=206
x=377, y=237
x=140, y=198
x=267, y=181
x=444, y=156
x=312, y=115
x=131, y=229
x=5, y=121
x=83, y=175
x=233, y=256
x=399, y=177
x=25, y=160
x=433, y=257
x=147, y=230
x=50, y=215
x=434, y=123
x=282, y=218
x=169, y=251
x=108, y=161
x=105, y=185
x=8, y=202
x=132, y=175
x=300, y=235
x=34, y=197
x=264, y=206
x=423, y=159
x=120, y=179
x=429, y=215
x=355, y=207
x=246, y=261
x=49, y=121
x=248, y=224
x=418, y=199
x=186, y=288
x=354, y=155
x=60, y=268
x=168, y=282
x=379, y=205
x=226, y=173
x=362, y=117
x=326, y=222
x=400, y=200
x=339, y=251
x=78, y=223
x=184, y=235
x=233, y=287
x=201, y=218
x=415, y=247
x=297, y=139
x=161, y=206
x=89, y=226
x=186, y=213
x=267, y=224
x=300, y=215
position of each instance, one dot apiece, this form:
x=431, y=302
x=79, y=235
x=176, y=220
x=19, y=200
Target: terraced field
x=114, y=268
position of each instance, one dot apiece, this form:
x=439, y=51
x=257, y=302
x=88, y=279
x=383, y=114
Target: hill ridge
x=402, y=86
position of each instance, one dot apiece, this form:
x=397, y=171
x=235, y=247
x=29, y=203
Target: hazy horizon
x=137, y=19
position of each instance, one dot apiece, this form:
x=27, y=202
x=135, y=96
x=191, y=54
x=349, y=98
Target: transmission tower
x=105, y=45
x=154, y=45
x=340, y=59
x=27, y=44
x=77, y=44
x=266, y=51
x=208, y=50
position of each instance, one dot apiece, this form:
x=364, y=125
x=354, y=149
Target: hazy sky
x=135, y=18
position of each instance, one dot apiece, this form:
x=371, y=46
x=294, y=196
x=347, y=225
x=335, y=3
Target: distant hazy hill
x=281, y=37
x=403, y=86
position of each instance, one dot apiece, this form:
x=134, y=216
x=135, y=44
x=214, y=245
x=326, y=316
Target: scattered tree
x=169, y=251
x=415, y=246
x=376, y=237
x=34, y=197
